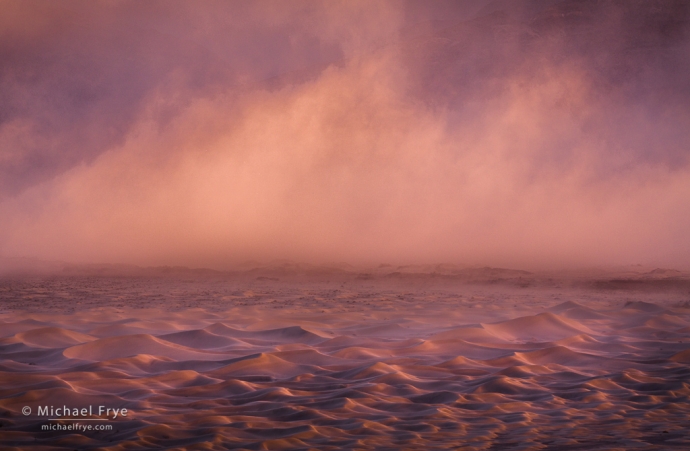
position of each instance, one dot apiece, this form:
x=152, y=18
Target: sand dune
x=129, y=345
x=541, y=327
x=52, y=337
x=202, y=339
x=451, y=367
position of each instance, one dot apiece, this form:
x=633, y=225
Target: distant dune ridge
x=227, y=361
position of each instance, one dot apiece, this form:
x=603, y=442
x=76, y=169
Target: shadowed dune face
x=308, y=364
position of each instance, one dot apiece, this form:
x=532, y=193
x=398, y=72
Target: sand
x=346, y=361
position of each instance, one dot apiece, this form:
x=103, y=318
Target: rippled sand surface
x=345, y=362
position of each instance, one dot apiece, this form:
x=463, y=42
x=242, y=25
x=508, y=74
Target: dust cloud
x=209, y=134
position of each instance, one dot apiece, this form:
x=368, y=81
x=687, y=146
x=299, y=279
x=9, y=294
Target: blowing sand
x=345, y=362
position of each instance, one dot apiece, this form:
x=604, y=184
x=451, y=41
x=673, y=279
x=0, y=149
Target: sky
x=526, y=134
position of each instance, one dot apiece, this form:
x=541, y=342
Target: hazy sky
x=517, y=133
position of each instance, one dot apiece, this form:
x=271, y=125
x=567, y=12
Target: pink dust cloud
x=336, y=146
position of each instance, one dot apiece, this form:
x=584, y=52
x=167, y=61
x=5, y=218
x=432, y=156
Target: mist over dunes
x=345, y=224
x=519, y=134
